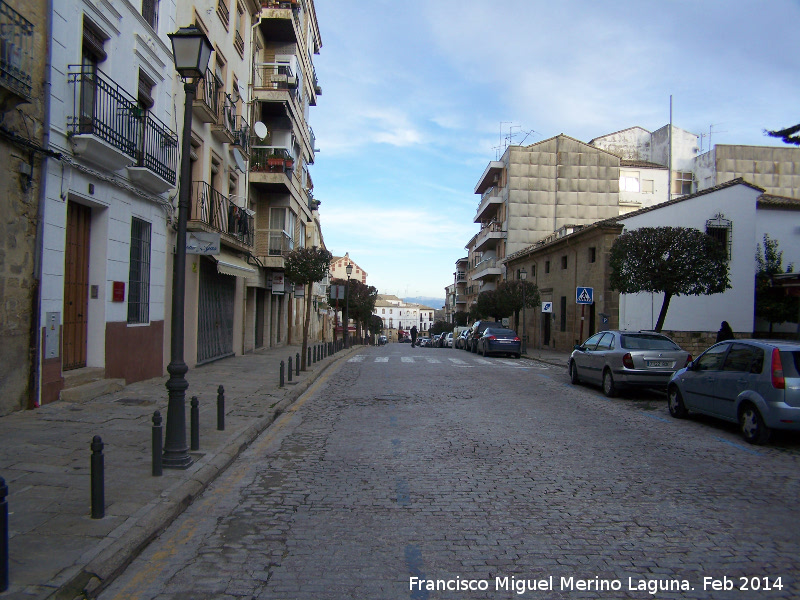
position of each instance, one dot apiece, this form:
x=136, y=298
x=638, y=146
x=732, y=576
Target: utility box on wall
x=52, y=335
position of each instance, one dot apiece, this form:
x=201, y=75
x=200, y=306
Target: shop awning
x=230, y=264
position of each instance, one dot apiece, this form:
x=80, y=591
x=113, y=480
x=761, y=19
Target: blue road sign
x=584, y=295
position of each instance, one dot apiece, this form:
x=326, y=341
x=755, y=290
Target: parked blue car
x=499, y=341
x=755, y=383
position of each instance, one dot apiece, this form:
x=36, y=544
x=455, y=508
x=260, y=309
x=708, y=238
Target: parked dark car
x=499, y=341
x=618, y=359
x=755, y=383
x=476, y=331
x=461, y=339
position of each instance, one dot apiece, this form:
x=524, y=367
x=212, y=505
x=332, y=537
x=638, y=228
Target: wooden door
x=76, y=286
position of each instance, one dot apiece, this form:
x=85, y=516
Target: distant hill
x=435, y=303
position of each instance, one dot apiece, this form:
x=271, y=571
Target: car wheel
x=518, y=356
x=754, y=430
x=574, y=378
x=609, y=387
x=675, y=403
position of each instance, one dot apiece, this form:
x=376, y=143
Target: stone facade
x=23, y=109
x=559, y=264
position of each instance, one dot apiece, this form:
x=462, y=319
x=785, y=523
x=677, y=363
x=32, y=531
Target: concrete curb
x=112, y=560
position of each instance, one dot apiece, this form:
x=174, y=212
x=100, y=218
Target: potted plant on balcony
x=289, y=163
x=275, y=160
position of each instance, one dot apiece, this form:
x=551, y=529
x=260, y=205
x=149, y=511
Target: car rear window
x=644, y=341
x=790, y=359
x=500, y=332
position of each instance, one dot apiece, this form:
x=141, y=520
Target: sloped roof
x=772, y=201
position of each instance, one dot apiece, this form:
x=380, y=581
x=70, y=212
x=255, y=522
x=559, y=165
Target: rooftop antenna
x=709, y=134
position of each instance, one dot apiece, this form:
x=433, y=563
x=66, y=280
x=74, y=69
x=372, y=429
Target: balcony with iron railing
x=489, y=236
x=211, y=210
x=223, y=129
x=109, y=128
x=491, y=201
x=206, y=100
x=242, y=134
x=270, y=168
x=274, y=81
x=487, y=268
x=280, y=20
x=461, y=276
x=16, y=57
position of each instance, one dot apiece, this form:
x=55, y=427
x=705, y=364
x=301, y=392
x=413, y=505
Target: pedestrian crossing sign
x=584, y=295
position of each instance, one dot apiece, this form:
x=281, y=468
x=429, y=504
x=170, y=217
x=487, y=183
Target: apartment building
x=284, y=88
x=400, y=316
x=107, y=209
x=23, y=114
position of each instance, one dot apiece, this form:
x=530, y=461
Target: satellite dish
x=239, y=160
x=260, y=129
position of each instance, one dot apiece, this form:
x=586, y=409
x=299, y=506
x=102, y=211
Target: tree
x=461, y=318
x=674, y=261
x=304, y=266
x=511, y=292
x=772, y=304
x=790, y=135
x=361, y=302
x=493, y=304
x=375, y=325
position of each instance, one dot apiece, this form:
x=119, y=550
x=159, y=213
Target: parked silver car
x=618, y=359
x=754, y=383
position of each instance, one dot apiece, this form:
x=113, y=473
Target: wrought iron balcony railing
x=206, y=92
x=16, y=50
x=270, y=159
x=242, y=132
x=280, y=243
x=216, y=210
x=104, y=109
x=275, y=76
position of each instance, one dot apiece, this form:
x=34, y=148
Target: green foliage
x=304, y=266
x=674, y=261
x=512, y=293
x=375, y=325
x=790, y=135
x=440, y=327
x=772, y=304
x=361, y=302
x=307, y=265
x=461, y=319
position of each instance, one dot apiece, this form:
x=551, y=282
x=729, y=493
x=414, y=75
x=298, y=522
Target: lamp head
x=349, y=269
x=523, y=274
x=191, y=51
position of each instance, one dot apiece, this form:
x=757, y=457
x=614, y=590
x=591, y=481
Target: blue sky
x=417, y=97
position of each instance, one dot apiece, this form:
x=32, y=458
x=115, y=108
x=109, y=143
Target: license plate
x=659, y=363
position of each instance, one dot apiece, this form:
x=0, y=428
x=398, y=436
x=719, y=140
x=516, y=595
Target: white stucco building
x=740, y=214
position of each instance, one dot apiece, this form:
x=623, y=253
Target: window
x=712, y=359
x=591, y=343
x=383, y=311
x=681, y=183
x=223, y=12
x=563, y=313
x=139, y=273
x=647, y=186
x=720, y=229
x=301, y=239
x=238, y=41
x=592, y=254
x=629, y=181
x=564, y=262
x=145, y=89
x=547, y=266
x=606, y=342
x=150, y=12
x=740, y=358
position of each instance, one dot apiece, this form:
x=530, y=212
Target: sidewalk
x=551, y=357
x=55, y=548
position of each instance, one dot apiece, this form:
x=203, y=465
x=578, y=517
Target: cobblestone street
x=490, y=477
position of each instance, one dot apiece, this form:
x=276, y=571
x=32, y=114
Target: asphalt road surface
x=433, y=473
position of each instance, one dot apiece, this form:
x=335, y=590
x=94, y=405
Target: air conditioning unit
x=291, y=81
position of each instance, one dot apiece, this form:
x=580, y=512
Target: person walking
x=413, y=335
x=725, y=332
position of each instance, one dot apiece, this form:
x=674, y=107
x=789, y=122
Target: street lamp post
x=523, y=275
x=191, y=50
x=349, y=269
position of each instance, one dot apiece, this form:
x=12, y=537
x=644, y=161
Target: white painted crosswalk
x=467, y=362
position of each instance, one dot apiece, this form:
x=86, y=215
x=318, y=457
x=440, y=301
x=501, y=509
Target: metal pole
x=97, y=479
x=3, y=536
x=346, y=327
x=297, y=365
x=157, y=444
x=290, y=369
x=195, y=427
x=524, y=348
x=220, y=408
x=281, y=377
x=176, y=455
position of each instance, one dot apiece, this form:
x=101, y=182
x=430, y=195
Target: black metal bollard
x=281, y=378
x=157, y=444
x=297, y=364
x=315, y=354
x=195, y=421
x=290, y=368
x=308, y=362
x=3, y=536
x=220, y=408
x=98, y=479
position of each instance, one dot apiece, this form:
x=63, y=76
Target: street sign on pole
x=584, y=295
